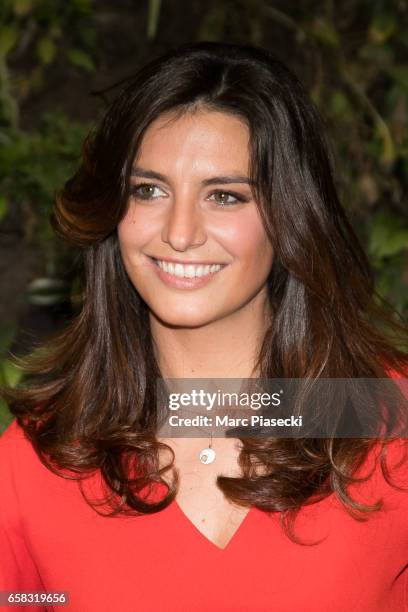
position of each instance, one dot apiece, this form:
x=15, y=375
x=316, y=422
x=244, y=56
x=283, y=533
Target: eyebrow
x=214, y=180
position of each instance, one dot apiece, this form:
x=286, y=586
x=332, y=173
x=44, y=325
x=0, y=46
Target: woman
x=215, y=247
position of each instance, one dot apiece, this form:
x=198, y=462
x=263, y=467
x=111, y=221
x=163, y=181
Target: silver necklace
x=207, y=455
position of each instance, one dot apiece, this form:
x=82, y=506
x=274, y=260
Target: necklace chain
x=207, y=455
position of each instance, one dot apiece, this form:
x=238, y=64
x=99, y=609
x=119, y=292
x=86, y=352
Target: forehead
x=205, y=135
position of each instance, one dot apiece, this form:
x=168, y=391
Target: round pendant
x=207, y=455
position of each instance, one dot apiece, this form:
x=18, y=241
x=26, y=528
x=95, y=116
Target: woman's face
x=192, y=240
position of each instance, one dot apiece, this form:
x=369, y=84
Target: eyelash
x=239, y=198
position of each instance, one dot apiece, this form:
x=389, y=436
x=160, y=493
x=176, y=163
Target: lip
x=177, y=282
x=186, y=262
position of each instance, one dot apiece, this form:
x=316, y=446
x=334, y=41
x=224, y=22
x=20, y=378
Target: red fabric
x=51, y=540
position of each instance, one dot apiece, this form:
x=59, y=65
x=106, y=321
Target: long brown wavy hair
x=88, y=397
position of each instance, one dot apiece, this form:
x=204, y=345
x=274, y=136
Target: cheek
x=247, y=241
x=133, y=232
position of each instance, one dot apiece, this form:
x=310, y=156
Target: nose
x=184, y=226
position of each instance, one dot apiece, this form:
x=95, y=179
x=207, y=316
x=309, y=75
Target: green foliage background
x=351, y=55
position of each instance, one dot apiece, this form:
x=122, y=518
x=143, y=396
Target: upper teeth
x=189, y=270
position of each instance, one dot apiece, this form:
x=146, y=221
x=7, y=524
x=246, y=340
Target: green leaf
x=7, y=333
x=387, y=237
x=83, y=7
x=81, y=59
x=400, y=74
x=324, y=32
x=22, y=7
x=8, y=38
x=382, y=28
x=339, y=103
x=46, y=50
x=5, y=416
x=153, y=18
x=11, y=373
x=3, y=207
x=388, y=148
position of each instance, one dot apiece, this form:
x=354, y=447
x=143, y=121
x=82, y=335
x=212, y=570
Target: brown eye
x=223, y=197
x=145, y=191
x=226, y=198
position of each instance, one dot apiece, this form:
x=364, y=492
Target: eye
x=224, y=198
x=150, y=191
x=145, y=191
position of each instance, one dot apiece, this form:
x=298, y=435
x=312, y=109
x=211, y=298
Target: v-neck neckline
x=190, y=525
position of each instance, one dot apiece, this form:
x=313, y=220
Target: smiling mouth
x=187, y=270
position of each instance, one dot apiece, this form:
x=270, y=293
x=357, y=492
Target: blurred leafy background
x=54, y=56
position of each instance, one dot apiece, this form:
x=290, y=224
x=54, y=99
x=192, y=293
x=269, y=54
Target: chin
x=192, y=319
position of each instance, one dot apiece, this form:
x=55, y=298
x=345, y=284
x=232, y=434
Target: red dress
x=52, y=541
